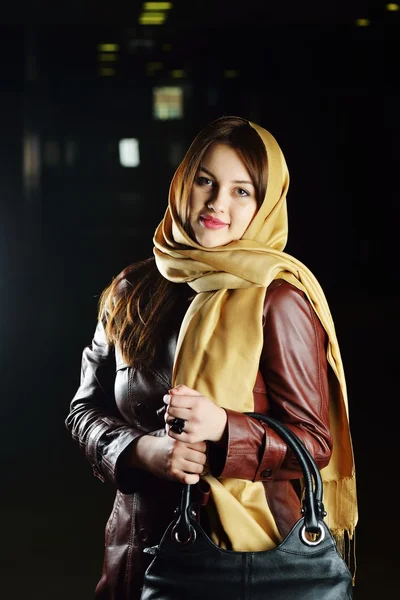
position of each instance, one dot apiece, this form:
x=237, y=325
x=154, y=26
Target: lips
x=211, y=222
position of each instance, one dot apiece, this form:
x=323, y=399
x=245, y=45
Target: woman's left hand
x=204, y=420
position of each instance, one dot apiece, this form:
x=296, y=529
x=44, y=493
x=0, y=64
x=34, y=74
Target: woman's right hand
x=168, y=458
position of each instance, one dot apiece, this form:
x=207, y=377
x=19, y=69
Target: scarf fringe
x=340, y=501
x=346, y=546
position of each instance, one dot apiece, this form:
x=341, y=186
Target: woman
x=220, y=322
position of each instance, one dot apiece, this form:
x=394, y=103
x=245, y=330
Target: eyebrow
x=234, y=181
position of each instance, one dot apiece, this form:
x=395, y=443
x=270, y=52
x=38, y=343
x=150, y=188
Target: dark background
x=71, y=217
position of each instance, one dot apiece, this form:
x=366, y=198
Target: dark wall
x=320, y=91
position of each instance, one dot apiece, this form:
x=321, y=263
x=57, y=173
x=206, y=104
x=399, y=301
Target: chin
x=209, y=241
x=213, y=243
x=208, y=238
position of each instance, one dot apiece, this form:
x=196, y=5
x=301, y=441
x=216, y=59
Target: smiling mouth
x=212, y=223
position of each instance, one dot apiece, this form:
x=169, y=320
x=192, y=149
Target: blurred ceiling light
x=108, y=47
x=362, y=22
x=152, y=18
x=129, y=152
x=107, y=57
x=157, y=6
x=392, y=7
x=168, y=103
x=106, y=71
x=178, y=73
x=231, y=73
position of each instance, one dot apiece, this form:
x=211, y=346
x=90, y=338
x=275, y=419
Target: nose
x=220, y=200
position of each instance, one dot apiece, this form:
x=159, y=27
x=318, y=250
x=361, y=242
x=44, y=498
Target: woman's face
x=222, y=201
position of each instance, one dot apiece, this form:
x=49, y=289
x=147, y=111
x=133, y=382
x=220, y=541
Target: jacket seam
x=160, y=378
x=241, y=452
x=128, y=574
x=92, y=441
x=313, y=317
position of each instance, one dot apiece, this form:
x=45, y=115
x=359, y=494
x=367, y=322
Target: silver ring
x=192, y=537
x=318, y=541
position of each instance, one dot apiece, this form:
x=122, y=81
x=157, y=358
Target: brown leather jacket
x=116, y=403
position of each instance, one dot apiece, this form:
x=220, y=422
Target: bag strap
x=312, y=505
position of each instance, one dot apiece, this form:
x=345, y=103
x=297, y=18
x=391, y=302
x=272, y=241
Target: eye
x=242, y=193
x=205, y=181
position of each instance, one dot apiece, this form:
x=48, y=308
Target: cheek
x=248, y=215
x=193, y=204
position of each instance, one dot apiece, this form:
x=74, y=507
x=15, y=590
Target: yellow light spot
x=157, y=6
x=231, y=73
x=152, y=18
x=166, y=47
x=392, y=7
x=362, y=22
x=178, y=73
x=106, y=71
x=105, y=57
x=108, y=47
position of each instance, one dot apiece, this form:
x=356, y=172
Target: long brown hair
x=137, y=303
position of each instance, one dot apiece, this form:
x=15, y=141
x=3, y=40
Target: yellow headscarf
x=220, y=343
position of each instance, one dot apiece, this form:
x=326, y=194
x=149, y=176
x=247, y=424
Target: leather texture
x=188, y=565
x=116, y=403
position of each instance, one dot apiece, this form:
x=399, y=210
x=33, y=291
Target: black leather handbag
x=305, y=566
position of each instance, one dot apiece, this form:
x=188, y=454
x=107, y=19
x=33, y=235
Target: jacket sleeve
x=94, y=420
x=295, y=371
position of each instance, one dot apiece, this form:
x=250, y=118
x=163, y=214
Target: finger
x=184, y=437
x=190, y=479
x=193, y=456
x=180, y=401
x=188, y=437
x=181, y=390
x=199, y=458
x=192, y=467
x=181, y=476
x=198, y=446
x=173, y=412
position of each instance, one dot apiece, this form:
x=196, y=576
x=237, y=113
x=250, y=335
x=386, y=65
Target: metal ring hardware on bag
x=192, y=537
x=321, y=536
x=183, y=532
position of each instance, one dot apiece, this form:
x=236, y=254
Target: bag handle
x=312, y=505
